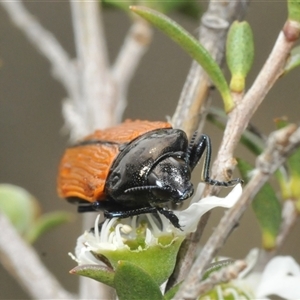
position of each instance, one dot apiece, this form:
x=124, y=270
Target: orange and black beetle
x=133, y=168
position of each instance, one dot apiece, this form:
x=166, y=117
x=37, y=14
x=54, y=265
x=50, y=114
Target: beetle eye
x=163, y=187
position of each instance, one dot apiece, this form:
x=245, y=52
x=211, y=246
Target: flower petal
x=82, y=253
x=189, y=218
x=198, y=193
x=281, y=277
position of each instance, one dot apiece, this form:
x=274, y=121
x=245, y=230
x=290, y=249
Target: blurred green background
x=31, y=123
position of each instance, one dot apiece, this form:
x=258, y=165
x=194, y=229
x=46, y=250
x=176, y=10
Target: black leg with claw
x=197, y=147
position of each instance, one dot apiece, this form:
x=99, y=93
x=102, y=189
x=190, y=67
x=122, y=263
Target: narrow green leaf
x=169, y=295
x=47, y=222
x=100, y=273
x=266, y=207
x=191, y=8
x=123, y=5
x=239, y=54
x=192, y=47
x=293, y=61
x=294, y=164
x=133, y=283
x=294, y=10
x=289, y=177
x=216, y=266
x=252, y=142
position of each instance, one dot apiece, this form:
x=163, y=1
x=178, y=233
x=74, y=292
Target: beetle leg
x=170, y=216
x=129, y=213
x=190, y=149
x=86, y=208
x=196, y=148
x=144, y=210
x=195, y=151
x=96, y=206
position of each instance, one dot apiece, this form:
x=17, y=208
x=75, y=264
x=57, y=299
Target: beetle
x=134, y=168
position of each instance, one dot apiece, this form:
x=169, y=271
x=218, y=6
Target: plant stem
x=191, y=108
x=23, y=263
x=280, y=144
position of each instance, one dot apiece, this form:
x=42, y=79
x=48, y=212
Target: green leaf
x=252, y=142
x=266, y=207
x=294, y=10
x=47, y=222
x=123, y=5
x=133, y=283
x=97, y=272
x=239, y=54
x=289, y=178
x=172, y=292
x=192, y=47
x=216, y=266
x=294, y=164
x=190, y=8
x=162, y=255
x=293, y=61
x=20, y=206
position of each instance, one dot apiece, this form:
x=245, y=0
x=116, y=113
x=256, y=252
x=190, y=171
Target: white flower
x=141, y=232
x=190, y=217
x=117, y=234
x=281, y=277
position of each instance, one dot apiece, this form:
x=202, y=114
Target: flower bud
x=239, y=54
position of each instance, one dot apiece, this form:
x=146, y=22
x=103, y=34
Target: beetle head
x=171, y=177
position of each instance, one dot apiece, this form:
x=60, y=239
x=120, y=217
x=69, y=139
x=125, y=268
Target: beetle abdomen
x=83, y=171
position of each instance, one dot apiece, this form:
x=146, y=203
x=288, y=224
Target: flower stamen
x=118, y=235
x=154, y=227
x=126, y=229
x=97, y=235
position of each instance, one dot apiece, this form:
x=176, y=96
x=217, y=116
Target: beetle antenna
x=190, y=147
x=144, y=188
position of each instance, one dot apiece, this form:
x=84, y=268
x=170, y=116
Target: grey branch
x=134, y=47
x=239, y=118
x=44, y=41
x=23, y=263
x=213, y=30
x=279, y=146
x=224, y=275
x=96, y=93
x=214, y=26
x=289, y=218
x=94, y=107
